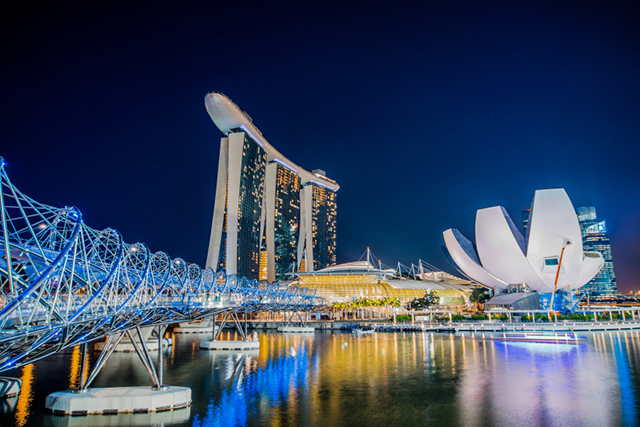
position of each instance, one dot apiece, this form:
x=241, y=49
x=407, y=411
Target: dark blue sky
x=423, y=113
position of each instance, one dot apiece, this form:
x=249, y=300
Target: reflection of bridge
x=63, y=284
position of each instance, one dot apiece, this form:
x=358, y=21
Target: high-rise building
x=269, y=213
x=525, y=222
x=238, y=205
x=596, y=239
x=324, y=210
x=285, y=221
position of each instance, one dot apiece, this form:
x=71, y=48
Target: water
x=337, y=379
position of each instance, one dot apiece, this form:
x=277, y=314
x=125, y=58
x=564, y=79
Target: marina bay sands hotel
x=270, y=215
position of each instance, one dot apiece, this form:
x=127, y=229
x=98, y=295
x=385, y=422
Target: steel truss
x=64, y=284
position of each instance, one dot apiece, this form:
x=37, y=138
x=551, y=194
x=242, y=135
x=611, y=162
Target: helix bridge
x=63, y=284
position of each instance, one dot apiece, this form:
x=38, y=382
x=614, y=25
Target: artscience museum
x=550, y=258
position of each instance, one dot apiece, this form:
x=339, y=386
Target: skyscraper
x=596, y=239
x=283, y=200
x=324, y=225
x=238, y=205
x=525, y=223
x=266, y=206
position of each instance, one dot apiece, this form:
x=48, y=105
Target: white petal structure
x=463, y=254
x=504, y=257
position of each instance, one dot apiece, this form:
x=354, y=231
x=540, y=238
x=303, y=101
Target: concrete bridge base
x=194, y=327
x=297, y=329
x=114, y=400
x=127, y=347
x=9, y=386
x=229, y=345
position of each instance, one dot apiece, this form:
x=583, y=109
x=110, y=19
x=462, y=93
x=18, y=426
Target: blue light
x=257, y=140
x=321, y=184
x=285, y=165
x=100, y=271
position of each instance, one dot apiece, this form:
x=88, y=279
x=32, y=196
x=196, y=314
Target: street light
x=555, y=285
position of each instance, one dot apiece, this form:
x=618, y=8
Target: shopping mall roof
x=423, y=284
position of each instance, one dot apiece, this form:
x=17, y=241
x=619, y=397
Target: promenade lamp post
x=555, y=285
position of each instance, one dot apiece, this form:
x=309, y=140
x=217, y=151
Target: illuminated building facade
x=237, y=219
x=361, y=279
x=324, y=210
x=270, y=216
x=596, y=239
x=285, y=220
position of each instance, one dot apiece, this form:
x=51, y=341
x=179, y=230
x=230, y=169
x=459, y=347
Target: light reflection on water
x=26, y=396
x=385, y=379
x=460, y=380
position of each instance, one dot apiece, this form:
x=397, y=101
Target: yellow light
x=26, y=397
x=75, y=367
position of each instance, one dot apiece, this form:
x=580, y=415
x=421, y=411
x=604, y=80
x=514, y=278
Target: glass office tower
x=525, y=223
x=596, y=239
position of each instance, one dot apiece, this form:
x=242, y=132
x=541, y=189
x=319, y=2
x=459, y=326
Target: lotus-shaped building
x=504, y=257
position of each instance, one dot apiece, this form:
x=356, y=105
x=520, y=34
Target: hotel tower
x=270, y=216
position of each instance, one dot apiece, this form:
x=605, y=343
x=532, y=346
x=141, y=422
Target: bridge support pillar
x=218, y=344
x=304, y=328
x=9, y=387
x=127, y=347
x=112, y=400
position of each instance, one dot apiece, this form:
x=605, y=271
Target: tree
x=422, y=303
x=479, y=297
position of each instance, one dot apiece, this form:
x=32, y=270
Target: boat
x=363, y=330
x=542, y=337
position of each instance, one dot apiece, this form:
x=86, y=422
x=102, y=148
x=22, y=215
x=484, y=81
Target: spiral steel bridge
x=63, y=283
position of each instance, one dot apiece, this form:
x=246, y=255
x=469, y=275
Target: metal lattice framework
x=63, y=283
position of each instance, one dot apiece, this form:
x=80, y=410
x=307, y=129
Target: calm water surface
x=336, y=379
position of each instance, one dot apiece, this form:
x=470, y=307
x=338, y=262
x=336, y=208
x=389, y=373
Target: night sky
x=423, y=113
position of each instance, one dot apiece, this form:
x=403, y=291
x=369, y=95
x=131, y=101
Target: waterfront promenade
x=469, y=326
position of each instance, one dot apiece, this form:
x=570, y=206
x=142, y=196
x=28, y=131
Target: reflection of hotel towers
x=263, y=200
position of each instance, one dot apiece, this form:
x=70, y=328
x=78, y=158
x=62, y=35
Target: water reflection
x=386, y=379
x=25, y=397
x=76, y=366
x=75, y=370
x=252, y=384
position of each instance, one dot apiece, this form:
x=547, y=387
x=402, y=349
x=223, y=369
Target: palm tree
x=366, y=302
